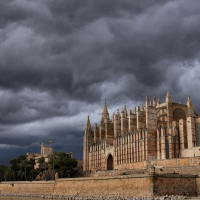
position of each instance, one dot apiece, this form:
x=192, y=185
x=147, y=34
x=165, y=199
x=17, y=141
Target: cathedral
x=155, y=131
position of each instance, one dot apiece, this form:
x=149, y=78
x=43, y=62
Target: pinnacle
x=168, y=97
x=189, y=102
x=105, y=110
x=88, y=120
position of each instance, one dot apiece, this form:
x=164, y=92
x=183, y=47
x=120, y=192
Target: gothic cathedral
x=155, y=131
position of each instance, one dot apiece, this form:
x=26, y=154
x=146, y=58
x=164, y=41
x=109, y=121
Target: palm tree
x=24, y=164
x=20, y=173
x=2, y=171
x=7, y=174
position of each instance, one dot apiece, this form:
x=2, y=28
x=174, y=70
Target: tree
x=63, y=163
x=21, y=169
x=7, y=174
x=41, y=162
x=20, y=174
x=3, y=169
x=24, y=165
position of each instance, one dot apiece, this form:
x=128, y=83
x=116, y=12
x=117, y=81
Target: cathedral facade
x=155, y=131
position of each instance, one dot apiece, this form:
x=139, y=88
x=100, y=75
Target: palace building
x=152, y=132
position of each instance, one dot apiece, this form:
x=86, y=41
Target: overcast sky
x=60, y=59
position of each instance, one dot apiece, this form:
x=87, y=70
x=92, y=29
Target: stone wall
x=35, y=187
x=178, y=165
x=173, y=184
x=195, y=151
x=135, y=165
x=124, y=185
x=106, y=186
x=112, y=186
x=198, y=185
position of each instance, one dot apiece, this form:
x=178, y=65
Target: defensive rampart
x=125, y=185
x=160, y=177
x=107, y=186
x=25, y=187
x=175, y=184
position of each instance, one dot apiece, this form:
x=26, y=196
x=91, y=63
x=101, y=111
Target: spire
x=158, y=101
x=88, y=121
x=168, y=98
x=105, y=114
x=135, y=110
x=154, y=101
x=124, y=111
x=105, y=110
x=147, y=101
x=189, y=102
x=88, y=125
x=190, y=107
x=113, y=117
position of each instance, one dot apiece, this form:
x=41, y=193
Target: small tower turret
x=190, y=106
x=42, y=148
x=105, y=114
x=154, y=101
x=124, y=120
x=87, y=141
x=147, y=101
x=124, y=111
x=168, y=98
x=158, y=101
x=169, y=110
x=88, y=128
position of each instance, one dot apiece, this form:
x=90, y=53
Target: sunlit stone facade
x=154, y=131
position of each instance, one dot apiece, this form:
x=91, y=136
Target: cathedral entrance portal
x=110, y=162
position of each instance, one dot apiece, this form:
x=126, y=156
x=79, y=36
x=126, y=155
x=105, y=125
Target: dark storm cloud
x=59, y=60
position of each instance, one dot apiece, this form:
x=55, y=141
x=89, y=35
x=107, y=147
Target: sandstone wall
x=135, y=165
x=198, y=185
x=137, y=185
x=106, y=186
x=23, y=187
x=195, y=151
x=178, y=165
x=175, y=185
x=112, y=186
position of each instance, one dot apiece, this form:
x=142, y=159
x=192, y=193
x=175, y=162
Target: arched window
x=179, y=114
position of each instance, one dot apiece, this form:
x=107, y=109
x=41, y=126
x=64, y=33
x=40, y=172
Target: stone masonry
x=156, y=131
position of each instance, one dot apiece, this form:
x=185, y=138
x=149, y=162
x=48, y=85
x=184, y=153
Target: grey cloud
x=60, y=60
